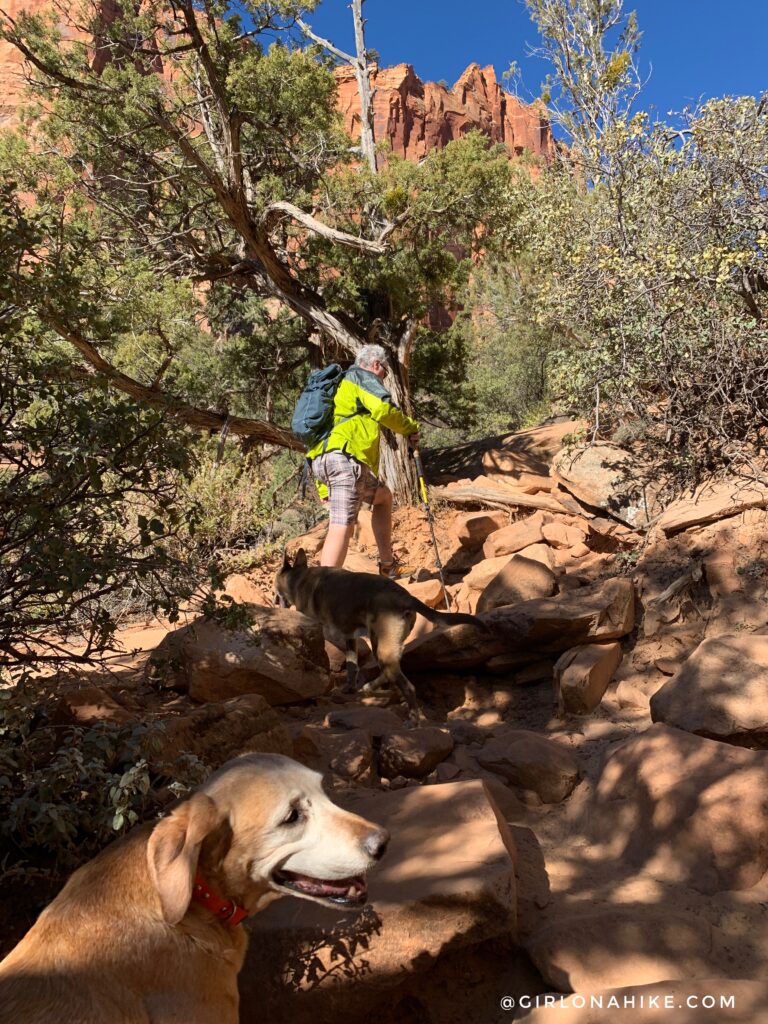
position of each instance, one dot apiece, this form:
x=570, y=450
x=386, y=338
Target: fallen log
x=496, y=497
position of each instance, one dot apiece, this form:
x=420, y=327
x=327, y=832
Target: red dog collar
x=227, y=911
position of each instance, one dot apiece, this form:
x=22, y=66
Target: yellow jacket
x=361, y=406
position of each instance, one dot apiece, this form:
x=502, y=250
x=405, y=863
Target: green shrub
x=66, y=791
x=241, y=503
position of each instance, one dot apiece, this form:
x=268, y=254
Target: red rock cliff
x=416, y=117
x=413, y=116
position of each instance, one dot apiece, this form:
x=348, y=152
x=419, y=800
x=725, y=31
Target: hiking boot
x=395, y=570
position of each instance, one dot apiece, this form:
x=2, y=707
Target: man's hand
x=413, y=440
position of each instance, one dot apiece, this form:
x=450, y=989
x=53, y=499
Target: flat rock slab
x=375, y=721
x=282, y=657
x=429, y=592
x=714, y=501
x=446, y=882
x=602, y=612
x=685, y=810
x=593, y=949
x=667, y=1002
x=720, y=691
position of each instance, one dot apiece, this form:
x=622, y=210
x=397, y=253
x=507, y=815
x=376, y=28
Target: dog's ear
x=173, y=849
x=286, y=561
x=301, y=559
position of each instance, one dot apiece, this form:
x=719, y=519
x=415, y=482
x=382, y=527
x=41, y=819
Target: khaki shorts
x=349, y=484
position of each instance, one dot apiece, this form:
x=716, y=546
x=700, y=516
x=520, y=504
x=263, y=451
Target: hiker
x=346, y=463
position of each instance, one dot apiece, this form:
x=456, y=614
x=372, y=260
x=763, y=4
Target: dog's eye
x=293, y=817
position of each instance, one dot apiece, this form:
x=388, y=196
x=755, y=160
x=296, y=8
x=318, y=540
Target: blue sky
x=693, y=48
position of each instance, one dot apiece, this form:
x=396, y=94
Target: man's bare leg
x=335, y=546
x=381, y=524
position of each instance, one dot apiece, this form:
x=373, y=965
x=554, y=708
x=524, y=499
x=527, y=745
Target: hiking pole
x=425, y=498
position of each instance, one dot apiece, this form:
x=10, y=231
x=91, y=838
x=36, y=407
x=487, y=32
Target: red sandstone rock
x=687, y=811
x=415, y=117
x=532, y=762
x=521, y=579
x=472, y=530
x=282, y=657
x=414, y=752
x=515, y=537
x=429, y=592
x=582, y=676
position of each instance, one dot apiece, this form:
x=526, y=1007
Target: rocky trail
x=587, y=809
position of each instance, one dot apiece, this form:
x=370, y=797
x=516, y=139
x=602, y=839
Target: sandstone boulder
x=241, y=588
x=89, y=705
x=472, y=530
x=686, y=810
x=601, y=612
x=346, y=752
x=583, y=674
x=602, y=475
x=429, y=592
x=312, y=541
x=528, y=451
x=356, y=561
x=375, y=722
x=515, y=537
x=414, y=752
x=521, y=579
x=561, y=535
x=539, y=553
x=282, y=657
x=446, y=882
x=218, y=731
x=595, y=948
x=720, y=691
x=481, y=574
x=630, y=695
x=532, y=762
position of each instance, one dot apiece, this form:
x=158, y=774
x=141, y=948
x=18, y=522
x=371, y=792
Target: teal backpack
x=313, y=416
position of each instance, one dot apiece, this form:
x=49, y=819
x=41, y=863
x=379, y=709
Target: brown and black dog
x=352, y=604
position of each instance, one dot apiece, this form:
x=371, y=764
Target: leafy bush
x=66, y=791
x=650, y=244
x=241, y=502
x=489, y=374
x=89, y=505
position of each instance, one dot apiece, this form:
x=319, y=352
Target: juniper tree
x=195, y=156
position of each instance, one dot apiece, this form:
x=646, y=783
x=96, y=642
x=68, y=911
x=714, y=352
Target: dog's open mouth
x=345, y=891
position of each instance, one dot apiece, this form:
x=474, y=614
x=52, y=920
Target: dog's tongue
x=353, y=886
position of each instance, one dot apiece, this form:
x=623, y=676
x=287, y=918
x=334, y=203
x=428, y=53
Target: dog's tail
x=450, y=618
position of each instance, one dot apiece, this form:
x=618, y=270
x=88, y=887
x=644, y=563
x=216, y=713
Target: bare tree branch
x=317, y=227
x=205, y=419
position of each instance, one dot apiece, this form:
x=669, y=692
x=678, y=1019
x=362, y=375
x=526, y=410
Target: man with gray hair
x=346, y=463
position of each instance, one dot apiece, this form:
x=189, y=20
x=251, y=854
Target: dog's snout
x=375, y=843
